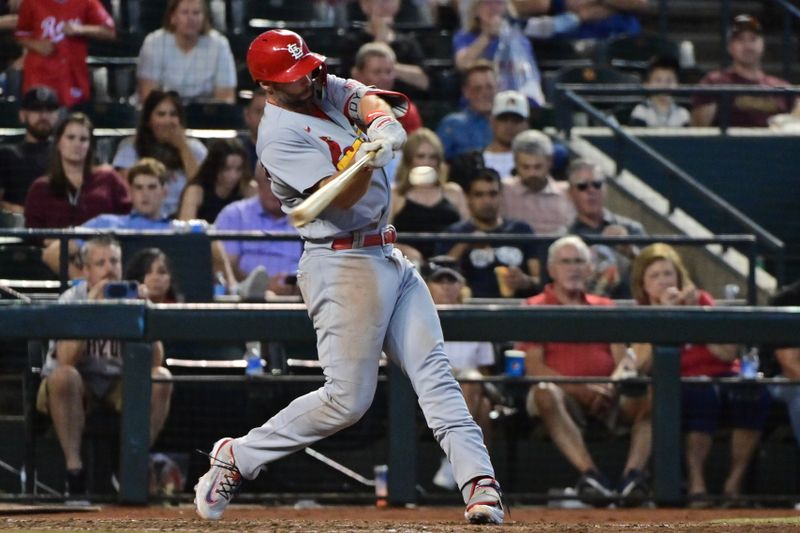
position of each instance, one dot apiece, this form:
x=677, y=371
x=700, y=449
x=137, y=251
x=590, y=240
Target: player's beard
x=300, y=103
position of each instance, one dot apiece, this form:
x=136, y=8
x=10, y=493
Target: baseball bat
x=322, y=197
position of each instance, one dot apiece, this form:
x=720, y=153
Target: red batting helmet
x=281, y=56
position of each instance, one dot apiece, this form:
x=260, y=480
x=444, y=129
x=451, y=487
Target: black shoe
x=594, y=489
x=76, y=488
x=633, y=488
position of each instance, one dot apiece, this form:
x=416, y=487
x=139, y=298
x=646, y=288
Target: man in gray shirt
x=82, y=374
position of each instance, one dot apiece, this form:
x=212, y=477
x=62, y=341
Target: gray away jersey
x=299, y=150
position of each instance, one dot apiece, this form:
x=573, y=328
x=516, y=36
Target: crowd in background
x=481, y=169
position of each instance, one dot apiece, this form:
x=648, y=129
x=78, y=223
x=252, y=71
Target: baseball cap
x=742, y=23
x=440, y=266
x=510, y=102
x=40, y=97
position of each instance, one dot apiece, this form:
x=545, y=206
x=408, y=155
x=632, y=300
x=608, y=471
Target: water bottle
x=219, y=284
x=686, y=54
x=252, y=355
x=748, y=364
x=381, y=485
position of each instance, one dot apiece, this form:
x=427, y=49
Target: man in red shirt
x=561, y=405
x=54, y=32
x=746, y=48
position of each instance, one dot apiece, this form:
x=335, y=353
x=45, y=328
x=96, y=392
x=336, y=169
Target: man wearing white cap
x=510, y=113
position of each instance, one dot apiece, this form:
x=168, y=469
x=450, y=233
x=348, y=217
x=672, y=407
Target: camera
x=121, y=290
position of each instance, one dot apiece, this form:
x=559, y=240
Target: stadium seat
x=214, y=115
x=591, y=75
x=9, y=114
x=634, y=51
x=23, y=261
x=110, y=114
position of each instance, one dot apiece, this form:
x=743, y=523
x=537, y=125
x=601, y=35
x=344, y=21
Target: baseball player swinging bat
x=322, y=197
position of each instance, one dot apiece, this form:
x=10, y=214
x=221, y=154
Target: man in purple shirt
x=277, y=258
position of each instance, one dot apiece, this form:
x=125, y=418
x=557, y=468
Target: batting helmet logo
x=281, y=56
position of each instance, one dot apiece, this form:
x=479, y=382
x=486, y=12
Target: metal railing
x=138, y=322
x=569, y=96
x=749, y=242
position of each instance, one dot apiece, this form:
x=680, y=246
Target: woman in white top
x=161, y=134
x=187, y=56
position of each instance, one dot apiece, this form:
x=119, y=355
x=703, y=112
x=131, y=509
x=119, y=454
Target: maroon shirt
x=746, y=110
x=104, y=191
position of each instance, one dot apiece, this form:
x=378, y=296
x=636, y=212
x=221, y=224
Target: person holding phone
x=80, y=375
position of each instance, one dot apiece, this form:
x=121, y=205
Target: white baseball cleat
x=485, y=504
x=220, y=484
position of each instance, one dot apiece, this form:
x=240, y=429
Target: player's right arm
x=355, y=189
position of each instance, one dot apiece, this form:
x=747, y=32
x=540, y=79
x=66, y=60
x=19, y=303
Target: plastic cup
x=515, y=363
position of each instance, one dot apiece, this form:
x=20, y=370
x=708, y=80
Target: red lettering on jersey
x=335, y=149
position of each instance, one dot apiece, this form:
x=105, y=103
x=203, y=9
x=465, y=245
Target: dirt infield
x=331, y=519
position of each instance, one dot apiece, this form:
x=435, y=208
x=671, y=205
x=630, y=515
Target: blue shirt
x=248, y=215
x=132, y=220
x=619, y=23
x=463, y=131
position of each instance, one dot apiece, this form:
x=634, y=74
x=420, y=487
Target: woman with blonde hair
x=659, y=277
x=187, y=55
x=422, y=198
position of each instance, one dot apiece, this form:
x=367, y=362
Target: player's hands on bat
x=387, y=128
x=383, y=153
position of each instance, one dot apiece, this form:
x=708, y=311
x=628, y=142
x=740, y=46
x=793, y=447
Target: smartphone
x=121, y=290
x=290, y=279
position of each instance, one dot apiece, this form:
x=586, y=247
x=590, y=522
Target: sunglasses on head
x=584, y=185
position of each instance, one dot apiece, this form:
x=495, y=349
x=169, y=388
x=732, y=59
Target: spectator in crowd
x=588, y=190
x=253, y=110
x=25, y=161
x=532, y=195
x=746, y=48
x=187, y=55
x=54, y=35
x=660, y=110
x=510, y=113
x=260, y=265
x=466, y=130
x=161, y=134
x=468, y=359
x=788, y=362
x=593, y=19
x=490, y=35
x=152, y=268
x=565, y=406
x=80, y=375
x=223, y=178
x=73, y=191
x=147, y=180
x=493, y=271
x=376, y=65
x=422, y=198
x=11, y=53
x=410, y=77
x=660, y=278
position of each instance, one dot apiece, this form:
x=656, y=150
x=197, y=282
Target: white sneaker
x=444, y=476
x=485, y=504
x=220, y=484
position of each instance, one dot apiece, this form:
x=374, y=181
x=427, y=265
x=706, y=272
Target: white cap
x=511, y=102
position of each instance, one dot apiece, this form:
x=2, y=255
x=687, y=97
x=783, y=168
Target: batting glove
x=383, y=153
x=385, y=127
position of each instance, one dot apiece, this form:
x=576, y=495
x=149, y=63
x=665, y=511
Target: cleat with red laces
x=485, y=504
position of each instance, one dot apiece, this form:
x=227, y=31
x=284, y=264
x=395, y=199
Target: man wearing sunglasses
x=587, y=190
